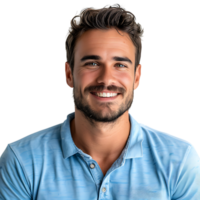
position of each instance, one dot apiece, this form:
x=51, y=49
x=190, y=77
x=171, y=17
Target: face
x=103, y=80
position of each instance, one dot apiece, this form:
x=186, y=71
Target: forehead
x=104, y=43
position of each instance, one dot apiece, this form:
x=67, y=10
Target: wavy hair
x=104, y=18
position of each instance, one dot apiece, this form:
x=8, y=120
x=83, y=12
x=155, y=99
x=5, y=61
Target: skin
x=104, y=134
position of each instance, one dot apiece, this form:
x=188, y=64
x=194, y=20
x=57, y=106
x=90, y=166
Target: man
x=100, y=151
x=109, y=116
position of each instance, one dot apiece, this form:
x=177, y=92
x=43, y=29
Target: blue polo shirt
x=47, y=165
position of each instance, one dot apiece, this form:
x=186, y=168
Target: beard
x=108, y=112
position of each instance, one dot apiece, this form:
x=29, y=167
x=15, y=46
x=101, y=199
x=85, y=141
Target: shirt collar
x=133, y=148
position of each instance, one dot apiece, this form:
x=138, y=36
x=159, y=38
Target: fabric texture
x=47, y=165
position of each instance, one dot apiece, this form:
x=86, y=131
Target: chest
x=105, y=165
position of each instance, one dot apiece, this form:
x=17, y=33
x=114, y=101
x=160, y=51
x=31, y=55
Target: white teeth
x=106, y=94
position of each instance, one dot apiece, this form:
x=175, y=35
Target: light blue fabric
x=47, y=165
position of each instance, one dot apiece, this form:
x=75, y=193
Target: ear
x=68, y=77
x=138, y=77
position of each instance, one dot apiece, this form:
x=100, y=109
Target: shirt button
x=103, y=189
x=92, y=166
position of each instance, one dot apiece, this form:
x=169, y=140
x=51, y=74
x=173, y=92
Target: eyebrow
x=95, y=57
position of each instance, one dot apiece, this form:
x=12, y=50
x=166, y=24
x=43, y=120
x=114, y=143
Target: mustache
x=102, y=88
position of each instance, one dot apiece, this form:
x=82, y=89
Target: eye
x=89, y=63
x=97, y=64
x=121, y=64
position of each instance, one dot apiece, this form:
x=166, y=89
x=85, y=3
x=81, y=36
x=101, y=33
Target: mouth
x=105, y=96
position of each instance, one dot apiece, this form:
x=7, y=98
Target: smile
x=105, y=96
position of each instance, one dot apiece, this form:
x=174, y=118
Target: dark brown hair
x=104, y=18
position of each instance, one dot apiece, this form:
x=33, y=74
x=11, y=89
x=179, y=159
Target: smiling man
x=100, y=151
x=103, y=81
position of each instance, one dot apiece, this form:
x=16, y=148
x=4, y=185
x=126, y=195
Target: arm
x=14, y=183
x=188, y=181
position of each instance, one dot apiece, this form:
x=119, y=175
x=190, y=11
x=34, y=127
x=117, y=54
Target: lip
x=104, y=98
x=106, y=91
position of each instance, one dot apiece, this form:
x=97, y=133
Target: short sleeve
x=188, y=181
x=13, y=180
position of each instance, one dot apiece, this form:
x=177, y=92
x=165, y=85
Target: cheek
x=126, y=80
x=85, y=80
